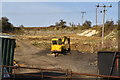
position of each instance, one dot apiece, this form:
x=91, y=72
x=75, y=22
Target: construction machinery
x=60, y=45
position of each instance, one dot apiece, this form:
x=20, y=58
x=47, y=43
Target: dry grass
x=42, y=40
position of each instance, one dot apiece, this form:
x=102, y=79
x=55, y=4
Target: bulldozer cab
x=56, y=42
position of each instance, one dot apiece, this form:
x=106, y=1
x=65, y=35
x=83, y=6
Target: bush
x=6, y=26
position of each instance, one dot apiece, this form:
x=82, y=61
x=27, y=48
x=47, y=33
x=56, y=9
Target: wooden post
x=42, y=74
x=66, y=74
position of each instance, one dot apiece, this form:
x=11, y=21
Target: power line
x=83, y=16
x=96, y=16
x=104, y=12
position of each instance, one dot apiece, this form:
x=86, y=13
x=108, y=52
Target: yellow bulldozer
x=60, y=45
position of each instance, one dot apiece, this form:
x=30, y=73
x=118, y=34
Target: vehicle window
x=54, y=42
x=59, y=42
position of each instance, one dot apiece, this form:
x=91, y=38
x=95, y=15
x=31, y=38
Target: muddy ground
x=76, y=61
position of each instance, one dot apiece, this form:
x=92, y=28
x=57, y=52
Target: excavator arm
x=68, y=42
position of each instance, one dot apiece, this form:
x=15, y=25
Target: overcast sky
x=38, y=14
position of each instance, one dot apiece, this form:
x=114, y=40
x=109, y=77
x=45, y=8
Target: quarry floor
x=30, y=55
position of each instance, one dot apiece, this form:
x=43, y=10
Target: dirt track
x=32, y=56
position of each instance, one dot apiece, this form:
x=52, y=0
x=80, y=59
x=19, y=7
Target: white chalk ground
x=88, y=33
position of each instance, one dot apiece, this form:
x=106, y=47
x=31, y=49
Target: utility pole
x=104, y=12
x=83, y=17
x=96, y=16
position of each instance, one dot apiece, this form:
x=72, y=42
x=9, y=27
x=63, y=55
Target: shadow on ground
x=47, y=51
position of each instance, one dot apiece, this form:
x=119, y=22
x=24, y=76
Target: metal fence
x=47, y=73
x=7, y=45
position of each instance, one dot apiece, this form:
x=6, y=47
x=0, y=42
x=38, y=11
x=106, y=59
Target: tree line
x=63, y=24
x=6, y=26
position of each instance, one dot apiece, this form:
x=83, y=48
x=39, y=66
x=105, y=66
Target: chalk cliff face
x=112, y=39
x=89, y=33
